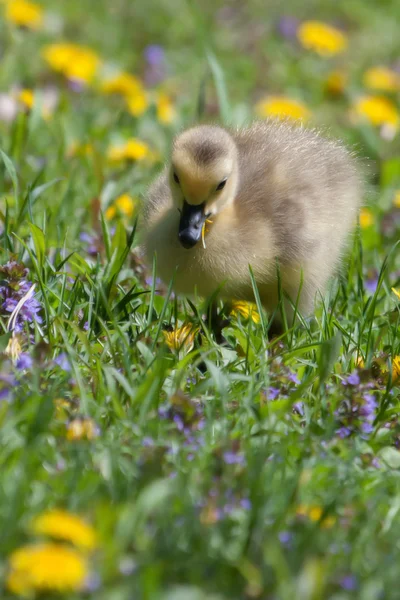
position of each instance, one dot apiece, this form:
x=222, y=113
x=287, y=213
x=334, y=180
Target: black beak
x=191, y=224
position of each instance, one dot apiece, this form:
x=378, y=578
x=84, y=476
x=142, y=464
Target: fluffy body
x=293, y=201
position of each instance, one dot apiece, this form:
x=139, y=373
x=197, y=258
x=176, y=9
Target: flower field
x=141, y=457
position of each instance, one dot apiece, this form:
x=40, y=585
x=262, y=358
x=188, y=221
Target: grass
x=258, y=469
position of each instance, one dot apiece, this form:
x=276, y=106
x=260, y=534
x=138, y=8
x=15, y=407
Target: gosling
x=275, y=197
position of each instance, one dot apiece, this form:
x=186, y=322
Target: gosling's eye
x=176, y=178
x=221, y=185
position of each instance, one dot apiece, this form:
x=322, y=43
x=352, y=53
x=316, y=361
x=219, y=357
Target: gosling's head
x=203, y=178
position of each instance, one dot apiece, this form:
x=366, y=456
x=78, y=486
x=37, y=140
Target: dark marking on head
x=205, y=152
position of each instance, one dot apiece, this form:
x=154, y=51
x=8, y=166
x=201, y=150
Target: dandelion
x=24, y=14
x=366, y=218
x=124, y=84
x=27, y=98
x=181, y=338
x=82, y=429
x=396, y=293
x=72, y=61
x=282, y=107
x=124, y=204
x=137, y=103
x=165, y=109
x=46, y=568
x=396, y=368
x=322, y=38
x=376, y=110
x=246, y=309
x=396, y=200
x=314, y=513
x=62, y=525
x=335, y=83
x=381, y=78
x=132, y=149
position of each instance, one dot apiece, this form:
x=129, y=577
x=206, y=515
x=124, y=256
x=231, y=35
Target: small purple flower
x=232, y=458
x=62, y=361
x=7, y=382
x=147, y=442
x=285, y=537
x=154, y=54
x=156, y=64
x=299, y=408
x=273, y=392
x=353, y=379
x=370, y=285
x=245, y=503
x=293, y=377
x=24, y=361
x=288, y=26
x=343, y=432
x=348, y=583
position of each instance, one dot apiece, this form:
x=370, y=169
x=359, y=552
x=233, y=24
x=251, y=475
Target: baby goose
x=270, y=194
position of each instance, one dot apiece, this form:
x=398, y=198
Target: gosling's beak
x=191, y=223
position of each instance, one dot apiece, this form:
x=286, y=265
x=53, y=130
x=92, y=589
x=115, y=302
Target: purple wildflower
x=348, y=583
x=147, y=442
x=272, y=393
x=14, y=286
x=7, y=382
x=156, y=64
x=370, y=284
x=288, y=26
x=232, y=458
x=353, y=379
x=285, y=537
x=245, y=503
x=298, y=407
x=24, y=361
x=293, y=377
x=62, y=361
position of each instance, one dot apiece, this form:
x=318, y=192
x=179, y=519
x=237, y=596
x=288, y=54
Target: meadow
x=139, y=458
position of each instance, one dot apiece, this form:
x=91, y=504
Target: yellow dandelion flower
x=24, y=13
x=246, y=309
x=282, y=107
x=73, y=61
x=125, y=204
x=382, y=78
x=335, y=83
x=110, y=212
x=133, y=149
x=396, y=293
x=137, y=103
x=324, y=39
x=82, y=429
x=13, y=349
x=366, y=218
x=27, y=98
x=165, y=109
x=396, y=368
x=396, y=200
x=62, y=525
x=181, y=338
x=46, y=568
x=314, y=513
x=378, y=110
x=77, y=149
x=124, y=84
